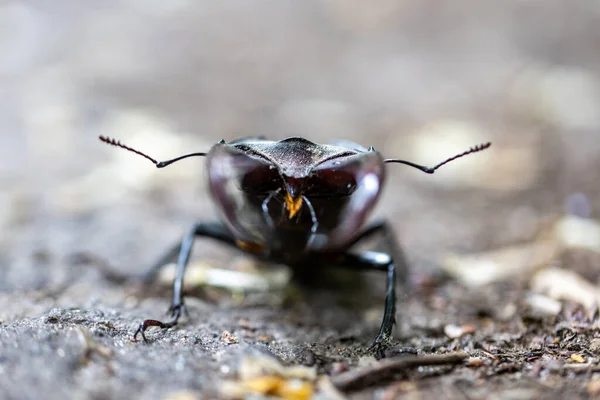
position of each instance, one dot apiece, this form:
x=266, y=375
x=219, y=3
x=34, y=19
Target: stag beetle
x=290, y=201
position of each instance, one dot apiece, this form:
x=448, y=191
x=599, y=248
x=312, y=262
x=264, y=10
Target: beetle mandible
x=290, y=201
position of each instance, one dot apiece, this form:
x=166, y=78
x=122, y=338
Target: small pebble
x=595, y=346
x=455, y=331
x=228, y=338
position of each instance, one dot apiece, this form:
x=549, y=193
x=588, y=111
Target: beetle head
x=295, y=160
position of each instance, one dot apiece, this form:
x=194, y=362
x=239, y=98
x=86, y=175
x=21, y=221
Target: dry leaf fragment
x=561, y=284
x=260, y=365
x=203, y=273
x=265, y=375
x=475, y=362
x=498, y=265
x=576, y=232
x=577, y=358
x=292, y=389
x=543, y=304
x=263, y=384
x=183, y=395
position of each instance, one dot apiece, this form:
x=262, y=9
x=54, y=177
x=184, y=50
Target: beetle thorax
x=294, y=157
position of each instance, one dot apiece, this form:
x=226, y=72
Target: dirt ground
x=503, y=246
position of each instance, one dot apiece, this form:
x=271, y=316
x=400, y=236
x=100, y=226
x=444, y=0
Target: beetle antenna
x=159, y=164
x=431, y=170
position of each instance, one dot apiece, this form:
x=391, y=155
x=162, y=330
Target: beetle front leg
x=184, y=249
x=213, y=230
x=382, y=227
x=382, y=262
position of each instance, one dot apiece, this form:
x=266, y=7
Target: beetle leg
x=314, y=220
x=282, y=217
x=211, y=230
x=382, y=262
x=390, y=242
x=265, y=208
x=184, y=249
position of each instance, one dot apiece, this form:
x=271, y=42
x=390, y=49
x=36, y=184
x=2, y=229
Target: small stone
x=455, y=331
x=228, y=338
x=225, y=369
x=595, y=346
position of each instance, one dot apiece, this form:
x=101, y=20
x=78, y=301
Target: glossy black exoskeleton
x=291, y=201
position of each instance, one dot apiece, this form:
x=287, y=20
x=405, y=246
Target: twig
x=386, y=368
x=579, y=368
x=328, y=390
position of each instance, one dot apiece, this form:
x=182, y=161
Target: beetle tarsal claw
x=292, y=205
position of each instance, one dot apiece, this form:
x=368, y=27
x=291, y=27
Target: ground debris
x=521, y=260
x=577, y=358
x=264, y=374
x=228, y=337
x=543, y=305
x=385, y=369
x=455, y=331
x=243, y=275
x=475, y=362
x=501, y=264
x=594, y=346
x=90, y=346
x=396, y=390
x=576, y=232
x=183, y=395
x=562, y=284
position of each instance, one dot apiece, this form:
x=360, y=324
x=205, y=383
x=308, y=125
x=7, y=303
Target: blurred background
x=419, y=80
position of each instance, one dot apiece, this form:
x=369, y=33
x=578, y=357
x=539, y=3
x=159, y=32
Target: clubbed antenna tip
x=117, y=143
x=431, y=170
x=158, y=164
